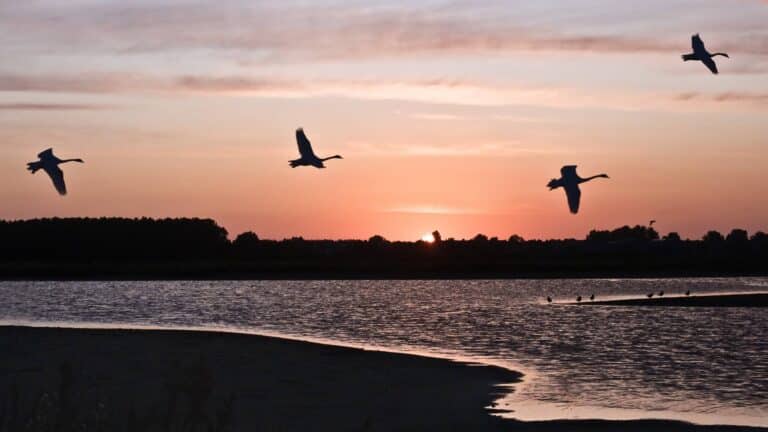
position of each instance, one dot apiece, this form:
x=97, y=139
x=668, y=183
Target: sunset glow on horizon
x=449, y=116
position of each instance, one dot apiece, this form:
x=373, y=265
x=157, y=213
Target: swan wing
x=568, y=172
x=305, y=147
x=57, y=176
x=573, y=193
x=697, y=44
x=710, y=64
x=46, y=154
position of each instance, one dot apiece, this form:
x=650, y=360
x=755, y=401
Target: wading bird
x=700, y=53
x=570, y=181
x=50, y=164
x=308, y=157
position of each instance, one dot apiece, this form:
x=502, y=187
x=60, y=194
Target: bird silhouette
x=700, y=53
x=578, y=299
x=549, y=299
x=649, y=295
x=687, y=293
x=653, y=221
x=570, y=181
x=50, y=164
x=592, y=297
x=308, y=157
x=661, y=293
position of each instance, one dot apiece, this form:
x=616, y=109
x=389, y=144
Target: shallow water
x=702, y=364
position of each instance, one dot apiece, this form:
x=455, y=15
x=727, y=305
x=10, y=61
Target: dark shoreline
x=192, y=248
x=248, y=382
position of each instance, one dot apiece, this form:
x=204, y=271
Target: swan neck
x=591, y=178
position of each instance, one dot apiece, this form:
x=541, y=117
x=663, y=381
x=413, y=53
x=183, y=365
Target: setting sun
x=429, y=238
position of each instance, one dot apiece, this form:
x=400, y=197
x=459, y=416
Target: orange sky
x=459, y=134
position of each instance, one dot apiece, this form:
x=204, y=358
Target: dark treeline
x=199, y=248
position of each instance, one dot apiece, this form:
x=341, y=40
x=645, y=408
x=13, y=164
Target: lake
x=707, y=365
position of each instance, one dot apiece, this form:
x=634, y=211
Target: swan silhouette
x=50, y=164
x=592, y=297
x=570, y=181
x=308, y=157
x=701, y=53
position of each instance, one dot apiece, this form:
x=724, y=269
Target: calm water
x=704, y=364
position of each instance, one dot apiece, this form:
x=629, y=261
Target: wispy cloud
x=50, y=107
x=760, y=98
x=234, y=84
x=436, y=116
x=294, y=32
x=434, y=91
x=82, y=83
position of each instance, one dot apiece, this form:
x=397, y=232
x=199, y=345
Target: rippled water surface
x=694, y=362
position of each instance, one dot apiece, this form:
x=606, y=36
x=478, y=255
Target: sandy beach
x=55, y=379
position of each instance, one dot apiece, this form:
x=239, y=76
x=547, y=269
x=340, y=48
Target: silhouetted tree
x=436, y=235
x=377, y=240
x=713, y=237
x=119, y=247
x=625, y=233
x=247, y=238
x=112, y=238
x=246, y=243
x=759, y=242
x=737, y=236
x=760, y=237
